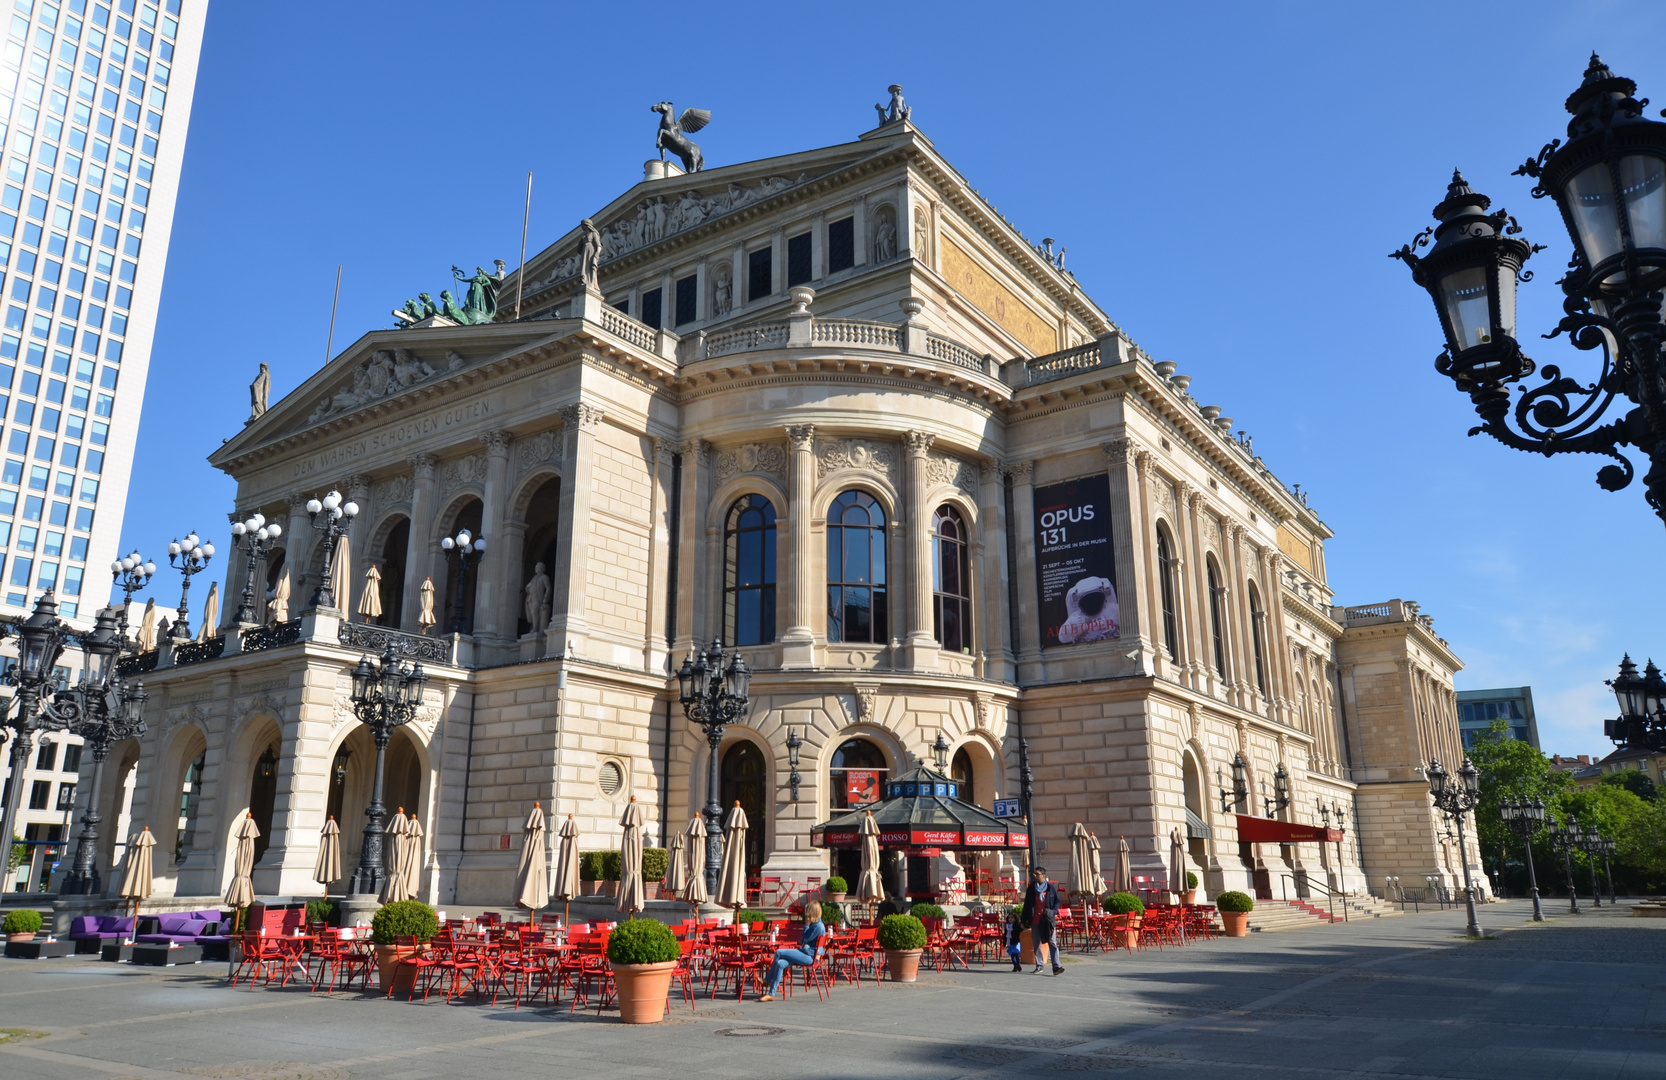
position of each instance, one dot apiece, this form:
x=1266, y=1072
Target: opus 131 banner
x=1075, y=565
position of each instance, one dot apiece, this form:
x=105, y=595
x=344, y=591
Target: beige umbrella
x=135, y=885
x=532, y=876
x=1124, y=871
x=1094, y=865
x=1177, y=863
x=241, y=892
x=633, y=894
x=210, y=628
x=694, y=887
x=393, y=881
x=341, y=574
x=1081, y=861
x=731, y=880
x=425, y=617
x=414, y=855
x=277, y=609
x=566, y=885
x=328, y=867
x=677, y=872
x=370, y=601
x=147, y=627
x=869, y=889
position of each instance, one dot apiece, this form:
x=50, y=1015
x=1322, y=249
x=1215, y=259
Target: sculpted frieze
x=543, y=448
x=768, y=459
x=388, y=371
x=860, y=454
x=947, y=469
x=463, y=471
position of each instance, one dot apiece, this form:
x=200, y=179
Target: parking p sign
x=1005, y=808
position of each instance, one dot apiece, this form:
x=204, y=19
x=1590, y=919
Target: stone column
x=1243, y=641
x=1128, y=546
x=1153, y=596
x=702, y=309
x=920, y=640
x=689, y=530
x=1279, y=647
x=418, y=565
x=494, y=576
x=991, y=575
x=859, y=226
x=777, y=261
x=1197, y=659
x=798, y=644
x=1029, y=598
x=739, y=294
x=568, y=622
x=358, y=532
x=297, y=546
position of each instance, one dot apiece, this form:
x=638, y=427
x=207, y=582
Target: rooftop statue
x=897, y=111
x=479, y=303
x=258, y=392
x=673, y=134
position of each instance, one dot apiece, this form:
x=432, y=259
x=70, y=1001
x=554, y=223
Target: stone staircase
x=1301, y=914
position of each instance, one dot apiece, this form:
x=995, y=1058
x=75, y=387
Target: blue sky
x=1228, y=179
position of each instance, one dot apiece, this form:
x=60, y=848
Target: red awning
x=1256, y=830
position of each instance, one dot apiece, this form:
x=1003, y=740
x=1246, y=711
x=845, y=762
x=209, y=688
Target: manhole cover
x=749, y=1032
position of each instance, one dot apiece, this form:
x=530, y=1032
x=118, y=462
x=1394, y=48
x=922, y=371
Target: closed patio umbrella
x=1177, y=863
x=869, y=889
x=135, y=884
x=370, y=601
x=241, y=892
x=633, y=894
x=341, y=573
x=532, y=875
x=731, y=880
x=210, y=627
x=393, y=857
x=1095, y=865
x=676, y=869
x=328, y=867
x=694, y=888
x=1081, y=861
x=425, y=617
x=1124, y=871
x=277, y=609
x=147, y=627
x=565, y=885
x=414, y=855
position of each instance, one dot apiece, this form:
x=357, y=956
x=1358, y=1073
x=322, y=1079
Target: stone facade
x=851, y=323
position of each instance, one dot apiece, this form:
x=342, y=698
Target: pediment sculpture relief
x=389, y=371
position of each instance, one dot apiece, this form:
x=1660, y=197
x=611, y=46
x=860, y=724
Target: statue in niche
x=897, y=110
x=723, y=292
x=590, y=255
x=885, y=237
x=537, y=606
x=674, y=134
x=259, y=390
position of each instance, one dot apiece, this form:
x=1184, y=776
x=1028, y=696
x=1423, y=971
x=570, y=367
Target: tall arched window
x=1217, y=624
x=1258, y=620
x=749, y=572
x=857, y=774
x=856, y=608
x=951, y=586
x=1166, y=572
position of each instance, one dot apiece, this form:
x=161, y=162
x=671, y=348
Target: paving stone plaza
x=1400, y=997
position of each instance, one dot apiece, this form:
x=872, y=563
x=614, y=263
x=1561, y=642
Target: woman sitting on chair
x=808, y=952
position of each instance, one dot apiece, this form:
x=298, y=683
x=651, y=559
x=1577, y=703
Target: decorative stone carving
x=387, y=372
x=946, y=469
x=467, y=470
x=1212, y=531
x=723, y=291
x=857, y=454
x=1166, y=500
x=765, y=458
x=423, y=465
x=885, y=234
x=537, y=605
x=802, y=436
x=392, y=491
x=543, y=448
x=982, y=706
x=918, y=443
x=193, y=713
x=455, y=361
x=267, y=704
x=1117, y=452
x=867, y=702
x=1021, y=471
x=496, y=443
x=583, y=414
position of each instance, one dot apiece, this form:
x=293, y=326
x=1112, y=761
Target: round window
x=610, y=778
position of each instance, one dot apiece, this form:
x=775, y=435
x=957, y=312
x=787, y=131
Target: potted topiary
x=903, y=937
x=643, y=954
x=1234, y=908
x=22, y=924
x=402, y=918
x=836, y=888
x=1125, y=903
x=656, y=861
x=612, y=865
x=833, y=914
x=1190, y=895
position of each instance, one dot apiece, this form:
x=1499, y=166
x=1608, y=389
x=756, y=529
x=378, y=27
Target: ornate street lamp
x=110, y=711
x=385, y=695
x=1590, y=842
x=190, y=557
x=1565, y=838
x=713, y=693
x=940, y=752
x=1240, y=789
x=1609, y=181
x=1606, y=850
x=1456, y=801
x=32, y=708
x=332, y=510
x=255, y=537
x=130, y=575
x=794, y=779
x=462, y=551
x=1525, y=817
x=1281, y=792
x=1641, y=724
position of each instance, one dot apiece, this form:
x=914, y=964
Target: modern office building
x=95, y=99
x=1477, y=709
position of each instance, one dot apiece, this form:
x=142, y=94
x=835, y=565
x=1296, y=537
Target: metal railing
x=196, y=651
x=1311, y=883
x=273, y=636
x=377, y=639
x=138, y=663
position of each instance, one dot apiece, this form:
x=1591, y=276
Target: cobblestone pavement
x=1578, y=996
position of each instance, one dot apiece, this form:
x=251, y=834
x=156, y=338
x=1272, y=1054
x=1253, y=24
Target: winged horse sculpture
x=673, y=134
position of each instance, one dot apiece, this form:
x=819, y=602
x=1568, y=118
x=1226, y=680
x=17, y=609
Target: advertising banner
x=861, y=787
x=1075, y=565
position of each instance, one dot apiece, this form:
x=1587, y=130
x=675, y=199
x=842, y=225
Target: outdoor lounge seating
x=184, y=927
x=91, y=932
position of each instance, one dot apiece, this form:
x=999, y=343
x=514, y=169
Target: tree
x=1510, y=769
x=1634, y=781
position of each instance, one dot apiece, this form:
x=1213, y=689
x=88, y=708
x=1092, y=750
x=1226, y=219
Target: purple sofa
x=90, y=932
x=185, y=927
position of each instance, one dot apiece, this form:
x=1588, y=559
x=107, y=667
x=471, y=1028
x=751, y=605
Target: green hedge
x=837, y=885
x=747, y=915
x=321, y=911
x=22, y=921
x=899, y=932
x=1234, y=901
x=612, y=865
x=403, y=917
x=1124, y=903
x=592, y=864
x=656, y=861
x=926, y=911
x=642, y=941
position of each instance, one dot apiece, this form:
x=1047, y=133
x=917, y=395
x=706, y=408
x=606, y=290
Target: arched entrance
x=263, y=796
x=744, y=777
x=391, y=566
x=445, y=607
x=543, y=519
x=856, y=777
x=961, y=769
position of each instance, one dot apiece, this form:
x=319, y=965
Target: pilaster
x=419, y=563
x=1128, y=544
x=495, y=582
x=992, y=575
x=920, y=645
x=568, y=623
x=798, y=643
x=1030, y=667
x=297, y=548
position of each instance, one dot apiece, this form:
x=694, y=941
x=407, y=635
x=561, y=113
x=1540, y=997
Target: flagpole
x=520, y=275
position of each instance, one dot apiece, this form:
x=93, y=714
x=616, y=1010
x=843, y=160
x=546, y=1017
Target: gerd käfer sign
x=1075, y=566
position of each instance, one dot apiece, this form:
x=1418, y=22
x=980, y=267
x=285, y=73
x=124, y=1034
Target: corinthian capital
x=582, y=414
x=1117, y=451
x=423, y=465
x=802, y=437
x=496, y=443
x=918, y=443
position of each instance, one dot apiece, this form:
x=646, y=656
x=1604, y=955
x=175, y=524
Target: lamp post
x=1607, y=852
x=713, y=693
x=1590, y=842
x=190, y=557
x=463, y=551
x=1524, y=817
x=255, y=537
x=1641, y=724
x=110, y=711
x=1609, y=182
x=1026, y=793
x=794, y=743
x=130, y=574
x=940, y=752
x=1281, y=792
x=385, y=695
x=31, y=708
x=1240, y=790
x=332, y=510
x=1564, y=837
x=1456, y=801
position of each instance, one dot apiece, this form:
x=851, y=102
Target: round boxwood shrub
x=403, y=917
x=1191, y=880
x=899, y=932
x=837, y=884
x=321, y=911
x=1124, y=903
x=832, y=913
x=22, y=921
x=642, y=941
x=750, y=917
x=1234, y=901
x=926, y=911
x=656, y=861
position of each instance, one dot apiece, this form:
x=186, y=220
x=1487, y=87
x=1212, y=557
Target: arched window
x=1166, y=572
x=857, y=773
x=749, y=572
x=856, y=608
x=1217, y=624
x=951, y=586
x=961, y=769
x=1258, y=620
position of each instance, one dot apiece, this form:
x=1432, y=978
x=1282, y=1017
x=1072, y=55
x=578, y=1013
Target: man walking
x=1041, y=911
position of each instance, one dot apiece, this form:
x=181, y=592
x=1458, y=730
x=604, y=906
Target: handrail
x=1330, y=894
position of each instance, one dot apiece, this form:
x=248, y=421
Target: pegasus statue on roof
x=673, y=134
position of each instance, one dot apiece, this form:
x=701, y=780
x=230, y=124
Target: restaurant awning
x=1255, y=830
x=922, y=808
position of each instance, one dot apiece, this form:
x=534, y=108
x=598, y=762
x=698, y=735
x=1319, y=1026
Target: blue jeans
x=785, y=958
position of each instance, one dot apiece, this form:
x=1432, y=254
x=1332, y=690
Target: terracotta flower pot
x=21, y=936
x=643, y=990
x=1189, y=896
x=609, y=888
x=1236, y=923
x=903, y=965
x=650, y=890
x=589, y=888
x=1130, y=939
x=836, y=897
x=1026, y=947
x=388, y=970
